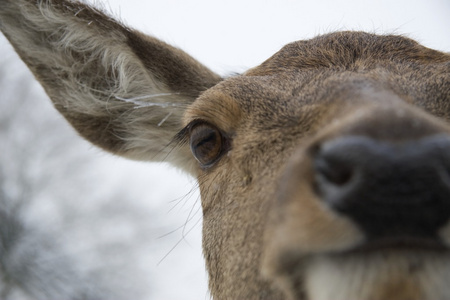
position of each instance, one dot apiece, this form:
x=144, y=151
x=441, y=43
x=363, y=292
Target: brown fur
x=266, y=232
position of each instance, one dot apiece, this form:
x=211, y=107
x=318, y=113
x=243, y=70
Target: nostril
x=332, y=171
x=336, y=169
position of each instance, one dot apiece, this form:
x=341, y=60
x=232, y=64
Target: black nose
x=388, y=189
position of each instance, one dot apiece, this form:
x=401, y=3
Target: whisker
x=183, y=238
x=184, y=199
x=171, y=232
x=191, y=216
x=170, y=251
x=185, y=229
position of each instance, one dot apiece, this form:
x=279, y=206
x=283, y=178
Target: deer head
x=324, y=172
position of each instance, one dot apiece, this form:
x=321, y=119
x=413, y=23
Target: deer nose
x=388, y=189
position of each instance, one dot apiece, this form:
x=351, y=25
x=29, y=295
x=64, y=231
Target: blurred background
x=77, y=223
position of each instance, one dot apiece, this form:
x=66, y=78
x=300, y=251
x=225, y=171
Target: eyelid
x=182, y=137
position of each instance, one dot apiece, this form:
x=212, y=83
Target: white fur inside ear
x=88, y=67
x=106, y=52
x=140, y=104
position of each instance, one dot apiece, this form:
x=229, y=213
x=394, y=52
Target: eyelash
x=208, y=144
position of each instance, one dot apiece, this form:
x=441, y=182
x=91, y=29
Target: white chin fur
x=400, y=275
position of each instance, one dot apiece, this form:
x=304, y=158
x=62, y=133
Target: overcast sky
x=233, y=35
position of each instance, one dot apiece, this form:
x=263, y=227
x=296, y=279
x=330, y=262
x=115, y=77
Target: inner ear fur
x=120, y=89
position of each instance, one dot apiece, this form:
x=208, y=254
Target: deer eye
x=207, y=143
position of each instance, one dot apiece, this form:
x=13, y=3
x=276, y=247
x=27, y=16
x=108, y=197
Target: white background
x=228, y=36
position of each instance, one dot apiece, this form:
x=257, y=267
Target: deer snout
x=351, y=205
x=390, y=190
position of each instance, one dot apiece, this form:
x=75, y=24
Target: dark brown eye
x=207, y=143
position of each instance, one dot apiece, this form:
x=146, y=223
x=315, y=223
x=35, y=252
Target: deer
x=324, y=172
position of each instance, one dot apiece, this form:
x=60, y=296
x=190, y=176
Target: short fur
x=267, y=234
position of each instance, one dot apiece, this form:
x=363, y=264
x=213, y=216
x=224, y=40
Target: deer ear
x=121, y=90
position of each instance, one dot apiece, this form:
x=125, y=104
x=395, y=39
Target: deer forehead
x=305, y=81
x=278, y=104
